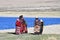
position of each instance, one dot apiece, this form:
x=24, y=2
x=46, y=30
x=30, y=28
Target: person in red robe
x=21, y=26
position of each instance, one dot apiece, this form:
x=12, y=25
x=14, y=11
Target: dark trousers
x=41, y=30
x=37, y=33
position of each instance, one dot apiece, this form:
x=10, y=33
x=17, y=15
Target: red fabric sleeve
x=18, y=23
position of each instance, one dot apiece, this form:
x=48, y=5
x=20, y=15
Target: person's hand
x=24, y=31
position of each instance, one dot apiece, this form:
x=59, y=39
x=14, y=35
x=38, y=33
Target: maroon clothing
x=18, y=23
x=20, y=27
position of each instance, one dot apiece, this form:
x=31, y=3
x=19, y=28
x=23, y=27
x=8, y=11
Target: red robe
x=18, y=27
x=24, y=28
x=18, y=23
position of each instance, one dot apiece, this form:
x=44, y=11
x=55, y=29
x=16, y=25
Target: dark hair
x=20, y=16
x=36, y=18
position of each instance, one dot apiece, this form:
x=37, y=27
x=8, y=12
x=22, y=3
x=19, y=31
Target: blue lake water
x=9, y=22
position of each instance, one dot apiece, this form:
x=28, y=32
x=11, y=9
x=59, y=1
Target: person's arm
x=18, y=23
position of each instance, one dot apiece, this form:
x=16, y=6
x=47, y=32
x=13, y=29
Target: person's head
x=37, y=19
x=21, y=17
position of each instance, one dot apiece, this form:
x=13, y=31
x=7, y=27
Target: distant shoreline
x=41, y=9
x=55, y=14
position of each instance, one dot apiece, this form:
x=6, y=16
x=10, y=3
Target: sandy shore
x=52, y=29
x=30, y=14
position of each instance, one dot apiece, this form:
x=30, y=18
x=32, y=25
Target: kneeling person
x=37, y=26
